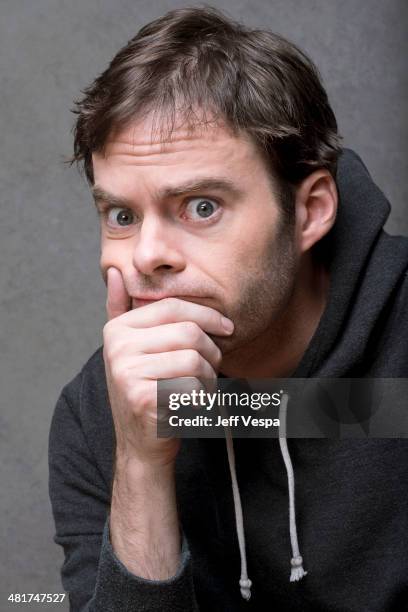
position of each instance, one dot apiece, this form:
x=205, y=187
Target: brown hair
x=255, y=81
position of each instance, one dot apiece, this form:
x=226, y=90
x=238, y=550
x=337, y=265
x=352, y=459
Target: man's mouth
x=137, y=302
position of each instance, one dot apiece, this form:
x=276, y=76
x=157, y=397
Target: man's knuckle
x=121, y=374
x=209, y=371
x=106, y=330
x=107, y=353
x=192, y=330
x=194, y=361
x=140, y=399
x=111, y=351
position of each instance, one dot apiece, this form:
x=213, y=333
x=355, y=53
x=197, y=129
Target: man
x=237, y=240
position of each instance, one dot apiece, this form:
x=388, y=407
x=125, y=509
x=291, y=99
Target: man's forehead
x=149, y=136
x=204, y=158
x=190, y=159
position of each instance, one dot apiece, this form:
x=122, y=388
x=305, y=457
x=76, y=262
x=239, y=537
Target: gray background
x=52, y=295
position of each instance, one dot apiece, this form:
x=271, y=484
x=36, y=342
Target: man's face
x=195, y=217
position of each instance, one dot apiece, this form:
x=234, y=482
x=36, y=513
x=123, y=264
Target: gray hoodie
x=351, y=495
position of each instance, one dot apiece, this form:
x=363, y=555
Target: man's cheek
x=110, y=257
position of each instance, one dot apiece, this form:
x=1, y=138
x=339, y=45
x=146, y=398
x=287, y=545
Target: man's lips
x=143, y=300
x=136, y=302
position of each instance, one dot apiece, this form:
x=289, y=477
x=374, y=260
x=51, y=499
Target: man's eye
x=120, y=216
x=201, y=208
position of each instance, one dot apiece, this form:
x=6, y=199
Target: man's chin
x=225, y=344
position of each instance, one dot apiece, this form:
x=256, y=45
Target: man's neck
x=277, y=352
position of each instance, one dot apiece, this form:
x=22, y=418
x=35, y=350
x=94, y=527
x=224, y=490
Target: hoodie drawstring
x=297, y=571
x=244, y=582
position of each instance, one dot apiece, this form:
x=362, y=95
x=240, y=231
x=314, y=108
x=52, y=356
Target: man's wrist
x=144, y=527
x=133, y=471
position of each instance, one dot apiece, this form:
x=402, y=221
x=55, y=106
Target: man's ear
x=316, y=208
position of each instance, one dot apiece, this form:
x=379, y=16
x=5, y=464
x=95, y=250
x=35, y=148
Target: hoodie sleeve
x=92, y=575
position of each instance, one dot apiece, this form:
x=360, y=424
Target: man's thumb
x=118, y=300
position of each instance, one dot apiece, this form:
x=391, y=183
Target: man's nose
x=157, y=247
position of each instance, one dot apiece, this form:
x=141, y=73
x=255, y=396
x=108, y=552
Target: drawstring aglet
x=245, y=584
x=297, y=571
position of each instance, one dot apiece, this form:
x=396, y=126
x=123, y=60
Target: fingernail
x=227, y=325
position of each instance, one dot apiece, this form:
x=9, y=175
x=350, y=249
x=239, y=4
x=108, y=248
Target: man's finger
x=175, y=310
x=118, y=300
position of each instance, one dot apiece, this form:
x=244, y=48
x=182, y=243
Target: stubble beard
x=264, y=293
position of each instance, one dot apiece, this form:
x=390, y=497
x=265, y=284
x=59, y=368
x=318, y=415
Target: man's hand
x=164, y=339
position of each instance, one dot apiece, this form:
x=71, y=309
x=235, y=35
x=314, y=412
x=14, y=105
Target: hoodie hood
x=366, y=267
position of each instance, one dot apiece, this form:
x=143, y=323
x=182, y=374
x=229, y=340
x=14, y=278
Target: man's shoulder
x=86, y=395
x=92, y=372
x=81, y=436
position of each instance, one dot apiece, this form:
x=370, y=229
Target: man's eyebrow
x=200, y=185
x=101, y=195
x=191, y=186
